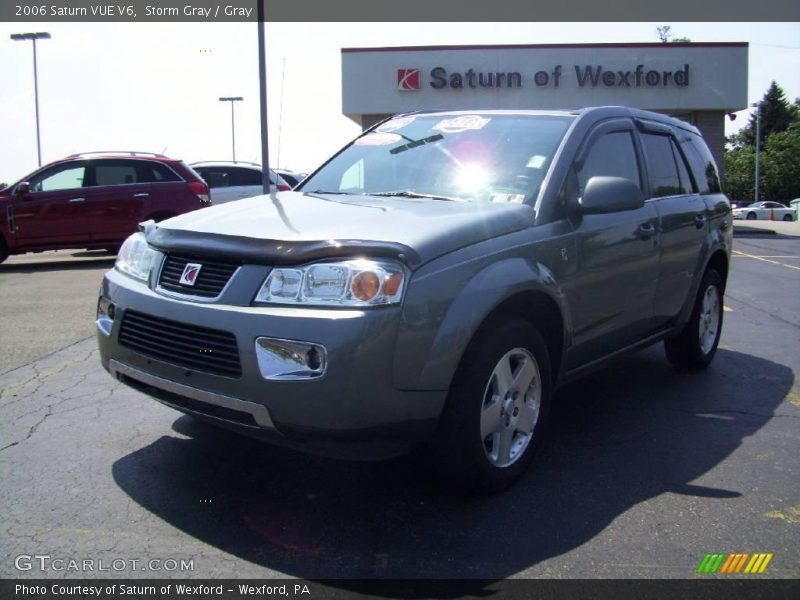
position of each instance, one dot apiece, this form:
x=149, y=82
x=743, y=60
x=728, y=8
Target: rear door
x=54, y=212
x=611, y=294
x=220, y=182
x=120, y=191
x=247, y=182
x=683, y=216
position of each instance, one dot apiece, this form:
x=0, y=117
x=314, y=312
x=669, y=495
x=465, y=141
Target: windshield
x=472, y=158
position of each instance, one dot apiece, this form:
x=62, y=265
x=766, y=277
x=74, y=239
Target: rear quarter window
x=702, y=164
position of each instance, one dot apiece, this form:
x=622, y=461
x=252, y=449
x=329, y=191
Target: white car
x=765, y=211
x=229, y=180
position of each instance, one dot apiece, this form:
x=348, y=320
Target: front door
x=612, y=290
x=53, y=213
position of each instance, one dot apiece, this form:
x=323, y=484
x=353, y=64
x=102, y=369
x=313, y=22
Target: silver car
x=432, y=283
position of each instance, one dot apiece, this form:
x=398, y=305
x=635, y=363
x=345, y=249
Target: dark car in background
x=434, y=282
x=95, y=200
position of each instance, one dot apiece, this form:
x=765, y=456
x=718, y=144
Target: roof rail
x=236, y=162
x=122, y=152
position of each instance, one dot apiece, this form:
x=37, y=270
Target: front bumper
x=353, y=411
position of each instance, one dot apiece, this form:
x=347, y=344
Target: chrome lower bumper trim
x=259, y=412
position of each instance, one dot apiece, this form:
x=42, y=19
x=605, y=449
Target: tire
x=3, y=250
x=751, y=216
x=788, y=218
x=694, y=348
x=496, y=408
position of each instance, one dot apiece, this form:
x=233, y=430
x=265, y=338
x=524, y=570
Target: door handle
x=699, y=221
x=646, y=231
x=76, y=200
x=141, y=195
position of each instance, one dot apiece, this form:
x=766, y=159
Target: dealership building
x=698, y=82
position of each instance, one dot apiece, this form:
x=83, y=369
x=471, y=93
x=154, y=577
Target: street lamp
x=757, y=106
x=232, y=99
x=20, y=37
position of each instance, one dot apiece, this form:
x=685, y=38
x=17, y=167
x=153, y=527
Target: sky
x=156, y=87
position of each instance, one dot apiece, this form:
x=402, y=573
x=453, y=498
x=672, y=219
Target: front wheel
x=751, y=216
x=788, y=218
x=694, y=348
x=497, y=406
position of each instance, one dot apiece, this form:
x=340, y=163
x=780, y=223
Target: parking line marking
x=736, y=252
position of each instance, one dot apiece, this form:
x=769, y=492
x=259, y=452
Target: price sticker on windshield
x=463, y=123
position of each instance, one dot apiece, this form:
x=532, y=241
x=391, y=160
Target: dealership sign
x=409, y=79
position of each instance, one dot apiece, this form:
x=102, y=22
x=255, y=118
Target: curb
x=742, y=230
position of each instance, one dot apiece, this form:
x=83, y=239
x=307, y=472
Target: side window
x=683, y=170
x=64, y=177
x=117, y=172
x=246, y=177
x=661, y=166
x=215, y=178
x=611, y=155
x=353, y=177
x=161, y=172
x=703, y=167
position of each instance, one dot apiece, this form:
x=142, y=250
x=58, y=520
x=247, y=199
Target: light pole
x=757, y=106
x=232, y=99
x=20, y=37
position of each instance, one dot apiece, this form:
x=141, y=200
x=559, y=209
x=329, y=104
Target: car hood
x=293, y=227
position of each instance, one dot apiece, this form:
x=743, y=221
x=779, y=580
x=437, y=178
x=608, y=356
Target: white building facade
x=698, y=82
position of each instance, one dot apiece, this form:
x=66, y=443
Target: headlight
x=346, y=283
x=136, y=258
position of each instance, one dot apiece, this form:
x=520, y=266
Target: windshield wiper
x=412, y=194
x=415, y=143
x=323, y=192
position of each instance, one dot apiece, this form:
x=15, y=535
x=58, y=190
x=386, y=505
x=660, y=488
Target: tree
x=780, y=164
x=664, y=33
x=776, y=116
x=780, y=168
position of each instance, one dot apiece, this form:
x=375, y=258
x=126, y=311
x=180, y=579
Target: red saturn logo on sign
x=408, y=80
x=190, y=273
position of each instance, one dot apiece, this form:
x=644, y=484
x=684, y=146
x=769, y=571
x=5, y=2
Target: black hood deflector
x=272, y=252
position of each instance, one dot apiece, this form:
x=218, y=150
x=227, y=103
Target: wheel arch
x=719, y=262
x=515, y=287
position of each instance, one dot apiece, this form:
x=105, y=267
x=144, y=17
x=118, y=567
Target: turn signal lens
x=392, y=283
x=365, y=286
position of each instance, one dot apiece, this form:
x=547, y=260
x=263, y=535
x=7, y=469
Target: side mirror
x=609, y=195
x=23, y=189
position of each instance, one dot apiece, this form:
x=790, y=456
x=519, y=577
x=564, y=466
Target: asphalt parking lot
x=643, y=473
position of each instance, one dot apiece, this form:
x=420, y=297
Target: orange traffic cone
x=771, y=214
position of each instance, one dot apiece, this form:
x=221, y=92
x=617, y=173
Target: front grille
x=212, y=279
x=199, y=348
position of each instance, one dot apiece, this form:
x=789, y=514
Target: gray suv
x=434, y=282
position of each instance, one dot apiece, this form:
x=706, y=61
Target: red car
x=95, y=200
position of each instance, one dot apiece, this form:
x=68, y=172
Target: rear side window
x=215, y=177
x=661, y=166
x=702, y=165
x=160, y=172
x=116, y=172
x=611, y=155
x=246, y=176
